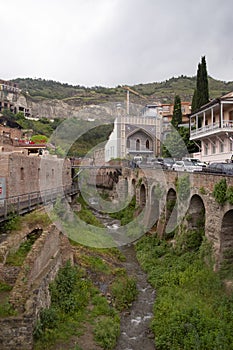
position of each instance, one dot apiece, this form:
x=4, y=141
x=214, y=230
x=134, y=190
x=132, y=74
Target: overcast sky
x=115, y=42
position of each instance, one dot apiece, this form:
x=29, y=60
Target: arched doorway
x=226, y=241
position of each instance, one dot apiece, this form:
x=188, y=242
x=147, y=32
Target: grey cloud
x=116, y=41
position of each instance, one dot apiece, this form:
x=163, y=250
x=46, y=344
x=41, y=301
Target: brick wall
x=25, y=174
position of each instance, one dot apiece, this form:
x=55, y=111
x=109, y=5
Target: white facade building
x=135, y=135
x=212, y=125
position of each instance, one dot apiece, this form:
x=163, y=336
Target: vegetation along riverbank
x=193, y=307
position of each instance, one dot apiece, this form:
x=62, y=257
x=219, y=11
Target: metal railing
x=210, y=127
x=24, y=203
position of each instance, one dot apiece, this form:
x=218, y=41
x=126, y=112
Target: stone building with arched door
x=135, y=135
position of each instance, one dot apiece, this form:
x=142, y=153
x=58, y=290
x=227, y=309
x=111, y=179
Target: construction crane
x=133, y=92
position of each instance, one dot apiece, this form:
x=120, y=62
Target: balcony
x=212, y=129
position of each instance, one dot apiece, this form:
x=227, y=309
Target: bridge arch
x=133, y=187
x=196, y=213
x=171, y=211
x=155, y=198
x=226, y=239
x=126, y=186
x=142, y=196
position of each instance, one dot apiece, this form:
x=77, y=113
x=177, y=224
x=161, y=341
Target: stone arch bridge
x=172, y=199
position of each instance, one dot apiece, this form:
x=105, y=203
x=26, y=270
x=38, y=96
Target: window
x=231, y=115
x=221, y=146
x=147, y=144
x=166, y=109
x=213, y=147
x=137, y=145
x=183, y=109
x=231, y=146
x=21, y=173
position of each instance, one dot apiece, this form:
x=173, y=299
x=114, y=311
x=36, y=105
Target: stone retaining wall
x=30, y=293
x=9, y=274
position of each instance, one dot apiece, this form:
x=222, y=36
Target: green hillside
x=165, y=91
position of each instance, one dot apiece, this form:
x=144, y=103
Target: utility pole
x=127, y=102
x=127, y=96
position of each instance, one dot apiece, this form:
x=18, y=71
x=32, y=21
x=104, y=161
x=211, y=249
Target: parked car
x=184, y=165
x=219, y=168
x=195, y=161
x=138, y=160
x=168, y=162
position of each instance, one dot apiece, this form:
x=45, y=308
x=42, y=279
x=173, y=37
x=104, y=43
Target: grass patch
x=13, y=223
x=77, y=304
x=125, y=215
x=70, y=294
x=97, y=264
x=124, y=291
x=6, y=310
x=192, y=310
x=106, y=331
x=89, y=218
x=106, y=322
x=37, y=217
x=86, y=214
x=17, y=258
x=4, y=287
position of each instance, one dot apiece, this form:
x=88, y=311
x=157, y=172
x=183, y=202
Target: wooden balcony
x=212, y=129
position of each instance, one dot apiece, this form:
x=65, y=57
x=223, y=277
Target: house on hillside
x=212, y=125
x=10, y=98
x=15, y=139
x=9, y=132
x=167, y=113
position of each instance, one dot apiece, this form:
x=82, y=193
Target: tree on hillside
x=177, y=144
x=177, y=112
x=39, y=138
x=201, y=93
x=174, y=146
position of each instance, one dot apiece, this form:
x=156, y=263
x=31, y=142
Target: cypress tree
x=194, y=101
x=201, y=94
x=177, y=112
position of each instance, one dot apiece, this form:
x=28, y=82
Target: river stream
x=135, y=332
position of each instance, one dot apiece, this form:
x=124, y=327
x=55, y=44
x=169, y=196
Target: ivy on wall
x=183, y=187
x=222, y=193
x=229, y=194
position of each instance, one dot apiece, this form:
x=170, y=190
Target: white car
x=195, y=161
x=184, y=165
